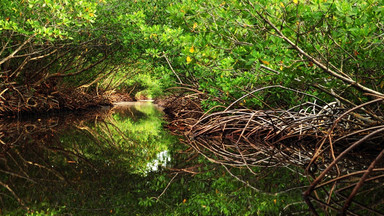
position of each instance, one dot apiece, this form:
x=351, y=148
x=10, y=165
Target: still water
x=122, y=161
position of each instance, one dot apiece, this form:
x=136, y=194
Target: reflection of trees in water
x=132, y=112
x=339, y=151
x=261, y=161
x=83, y=155
x=43, y=157
x=32, y=154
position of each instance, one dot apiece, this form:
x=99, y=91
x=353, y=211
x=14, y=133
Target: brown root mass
x=20, y=100
x=339, y=150
x=118, y=97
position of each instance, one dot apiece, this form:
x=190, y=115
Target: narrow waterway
x=122, y=161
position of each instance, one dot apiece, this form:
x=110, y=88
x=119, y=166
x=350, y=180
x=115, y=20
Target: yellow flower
x=296, y=1
x=188, y=59
x=265, y=62
x=192, y=50
x=194, y=26
x=281, y=4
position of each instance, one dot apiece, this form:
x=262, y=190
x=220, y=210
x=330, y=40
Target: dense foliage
x=224, y=49
x=227, y=49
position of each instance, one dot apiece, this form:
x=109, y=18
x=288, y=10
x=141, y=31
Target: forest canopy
x=223, y=48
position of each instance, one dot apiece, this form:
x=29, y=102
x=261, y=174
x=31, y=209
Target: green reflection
x=131, y=137
x=103, y=163
x=79, y=163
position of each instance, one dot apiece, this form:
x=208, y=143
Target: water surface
x=122, y=161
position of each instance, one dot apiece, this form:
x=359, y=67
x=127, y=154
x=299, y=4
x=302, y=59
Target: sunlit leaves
x=47, y=19
x=205, y=40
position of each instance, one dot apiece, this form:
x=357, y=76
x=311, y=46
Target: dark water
x=77, y=162
x=117, y=161
x=122, y=161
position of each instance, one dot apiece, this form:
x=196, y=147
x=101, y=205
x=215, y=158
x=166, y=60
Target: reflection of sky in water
x=162, y=159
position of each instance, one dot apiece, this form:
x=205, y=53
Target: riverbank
x=18, y=101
